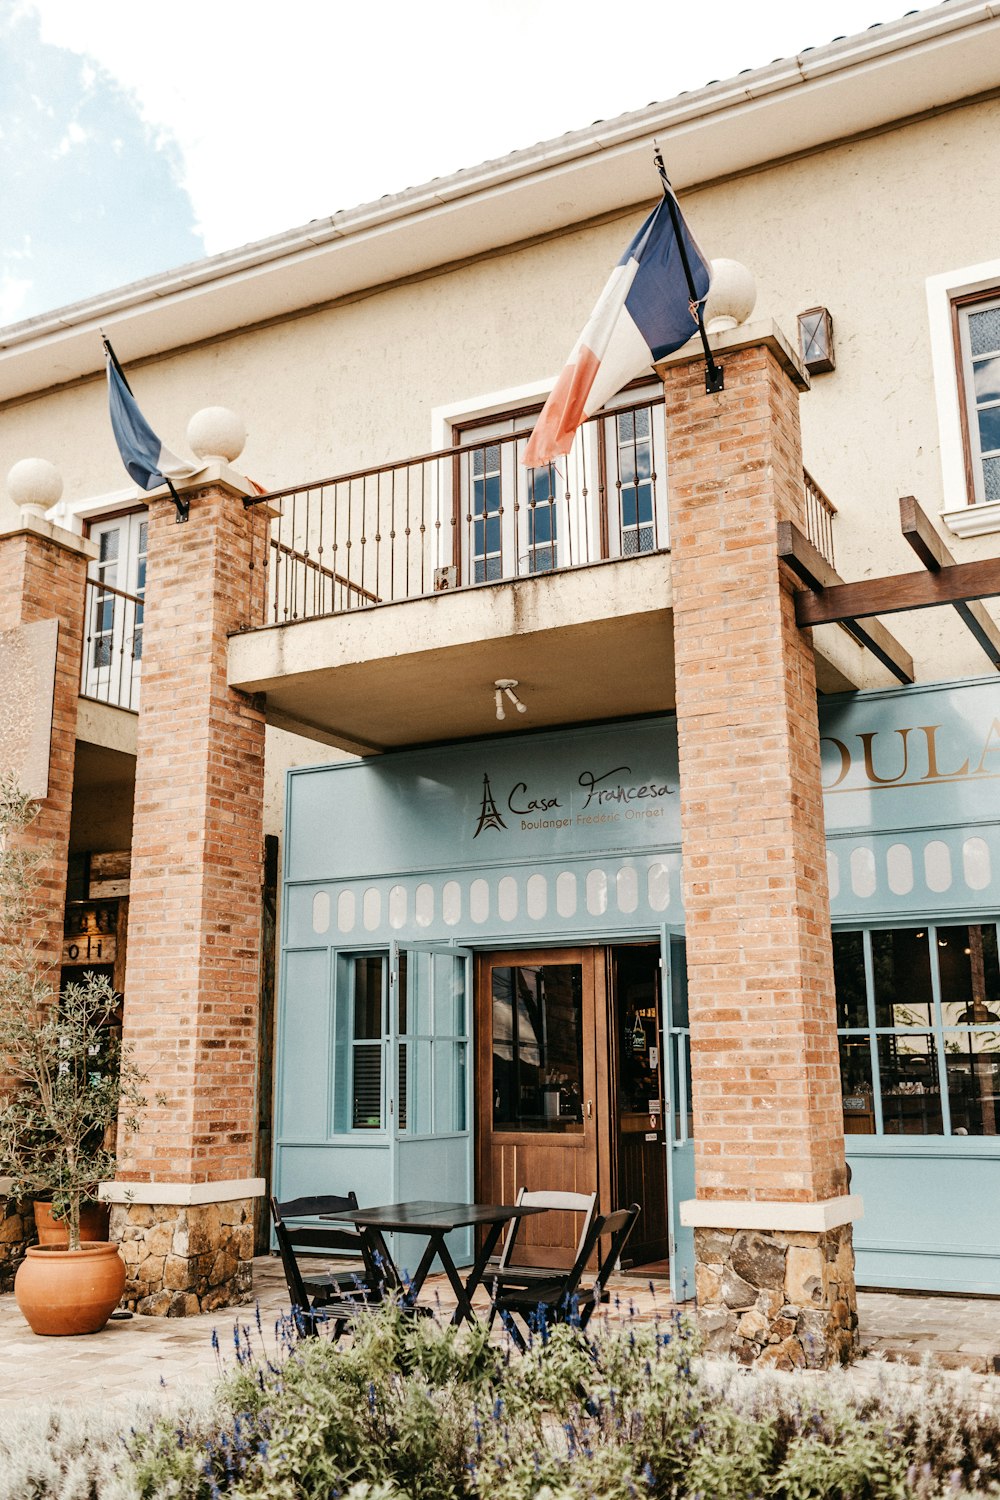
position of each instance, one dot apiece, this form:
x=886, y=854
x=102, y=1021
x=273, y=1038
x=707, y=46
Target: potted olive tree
x=69, y=1083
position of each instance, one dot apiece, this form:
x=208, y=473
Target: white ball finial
x=732, y=298
x=35, y=485
x=216, y=432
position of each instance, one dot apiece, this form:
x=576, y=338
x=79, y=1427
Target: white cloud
x=75, y=136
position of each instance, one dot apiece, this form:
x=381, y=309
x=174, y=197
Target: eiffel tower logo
x=489, y=813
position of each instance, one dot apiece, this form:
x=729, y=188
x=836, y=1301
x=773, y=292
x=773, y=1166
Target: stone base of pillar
x=17, y=1232
x=781, y=1298
x=185, y=1259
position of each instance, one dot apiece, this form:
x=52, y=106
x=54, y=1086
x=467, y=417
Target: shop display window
x=538, y=1048
x=918, y=1011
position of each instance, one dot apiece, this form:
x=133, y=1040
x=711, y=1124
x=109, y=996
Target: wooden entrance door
x=541, y=1086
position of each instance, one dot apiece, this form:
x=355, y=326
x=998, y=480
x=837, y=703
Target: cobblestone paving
x=143, y=1355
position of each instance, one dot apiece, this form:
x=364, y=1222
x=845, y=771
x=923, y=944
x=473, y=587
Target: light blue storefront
x=397, y=869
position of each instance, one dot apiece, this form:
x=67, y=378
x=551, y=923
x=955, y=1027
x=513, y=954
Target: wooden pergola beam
x=798, y=552
x=897, y=594
x=926, y=542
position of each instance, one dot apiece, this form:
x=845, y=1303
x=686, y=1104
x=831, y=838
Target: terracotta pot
x=69, y=1291
x=94, y=1220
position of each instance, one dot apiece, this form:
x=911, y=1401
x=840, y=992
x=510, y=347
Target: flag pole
x=715, y=377
x=114, y=360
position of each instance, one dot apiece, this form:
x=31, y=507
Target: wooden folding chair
x=323, y=1296
x=507, y=1271
x=572, y=1296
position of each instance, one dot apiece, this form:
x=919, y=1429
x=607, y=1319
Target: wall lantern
x=816, y=340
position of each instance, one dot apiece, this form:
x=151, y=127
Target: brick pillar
x=43, y=572
x=184, y=1216
x=774, y=1265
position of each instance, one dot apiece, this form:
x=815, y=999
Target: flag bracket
x=715, y=377
x=183, y=506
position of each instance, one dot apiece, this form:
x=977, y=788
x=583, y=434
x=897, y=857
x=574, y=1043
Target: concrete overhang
x=584, y=644
x=923, y=62
x=588, y=643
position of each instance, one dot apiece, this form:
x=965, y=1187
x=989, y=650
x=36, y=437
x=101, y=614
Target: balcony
x=558, y=577
x=467, y=516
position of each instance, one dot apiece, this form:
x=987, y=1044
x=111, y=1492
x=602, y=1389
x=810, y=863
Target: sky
x=136, y=137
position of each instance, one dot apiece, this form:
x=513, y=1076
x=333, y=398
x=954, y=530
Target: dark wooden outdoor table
x=434, y=1220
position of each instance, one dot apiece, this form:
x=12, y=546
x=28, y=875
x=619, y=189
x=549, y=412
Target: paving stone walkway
x=144, y=1355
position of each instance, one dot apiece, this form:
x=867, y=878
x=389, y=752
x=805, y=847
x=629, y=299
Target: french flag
x=647, y=309
x=148, y=461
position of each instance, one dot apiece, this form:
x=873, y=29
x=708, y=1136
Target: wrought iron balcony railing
x=472, y=515
x=112, y=645
x=466, y=516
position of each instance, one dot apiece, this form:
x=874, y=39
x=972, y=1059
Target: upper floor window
x=114, y=618
x=605, y=499
x=978, y=342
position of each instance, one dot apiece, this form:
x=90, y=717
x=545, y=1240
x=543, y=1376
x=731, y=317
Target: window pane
x=902, y=972
x=366, y=1101
x=538, y=1048
x=404, y=981
x=368, y=999
x=984, y=330
x=986, y=374
x=856, y=1084
x=970, y=976
x=541, y=488
x=449, y=1086
x=449, y=995
x=991, y=478
x=989, y=429
x=972, y=1059
x=402, y=1085
x=849, y=979
x=911, y=1096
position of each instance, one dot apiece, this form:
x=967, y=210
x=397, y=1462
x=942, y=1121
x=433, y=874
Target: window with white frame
x=978, y=344
x=115, y=605
x=605, y=499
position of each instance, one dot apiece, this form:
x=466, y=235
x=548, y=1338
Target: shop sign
x=911, y=758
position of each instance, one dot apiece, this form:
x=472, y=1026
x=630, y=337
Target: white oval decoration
x=451, y=902
x=537, y=897
x=863, y=873
x=658, y=886
x=566, y=893
x=423, y=904
x=346, y=911
x=397, y=907
x=479, y=900
x=371, y=908
x=507, y=899
x=937, y=865
x=899, y=869
x=627, y=888
x=833, y=874
x=597, y=892
x=321, y=912
x=976, y=864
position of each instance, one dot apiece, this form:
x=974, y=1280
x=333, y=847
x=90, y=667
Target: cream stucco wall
x=858, y=227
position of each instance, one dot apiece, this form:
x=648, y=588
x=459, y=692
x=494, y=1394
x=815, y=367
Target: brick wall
x=42, y=578
x=194, y=914
x=765, y=1075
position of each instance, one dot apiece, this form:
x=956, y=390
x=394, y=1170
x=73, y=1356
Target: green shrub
x=416, y=1411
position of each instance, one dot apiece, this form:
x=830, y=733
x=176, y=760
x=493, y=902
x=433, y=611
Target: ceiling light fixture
x=507, y=685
